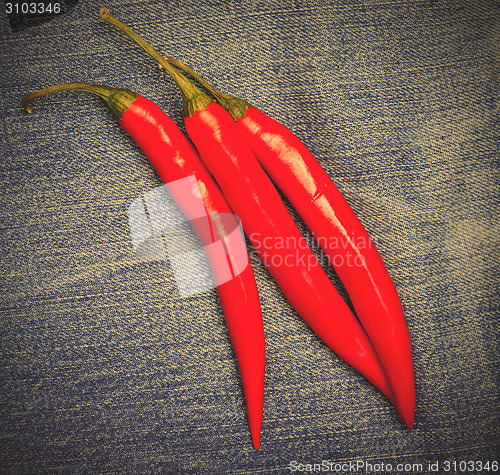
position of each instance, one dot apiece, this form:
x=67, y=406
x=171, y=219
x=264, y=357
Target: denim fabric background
x=104, y=369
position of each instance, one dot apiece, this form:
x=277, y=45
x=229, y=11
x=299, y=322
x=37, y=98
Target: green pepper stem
x=193, y=98
x=235, y=106
x=220, y=96
x=118, y=99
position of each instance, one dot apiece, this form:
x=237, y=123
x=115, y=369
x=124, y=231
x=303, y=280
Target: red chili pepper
x=339, y=232
x=265, y=219
x=174, y=158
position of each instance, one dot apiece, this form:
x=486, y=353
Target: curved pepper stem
x=118, y=99
x=235, y=106
x=193, y=98
x=220, y=96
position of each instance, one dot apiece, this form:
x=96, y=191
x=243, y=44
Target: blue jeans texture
x=105, y=369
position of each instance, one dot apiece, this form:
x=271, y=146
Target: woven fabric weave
x=106, y=369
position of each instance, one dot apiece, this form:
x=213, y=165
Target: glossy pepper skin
x=253, y=197
x=175, y=158
x=264, y=218
x=345, y=241
x=327, y=214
